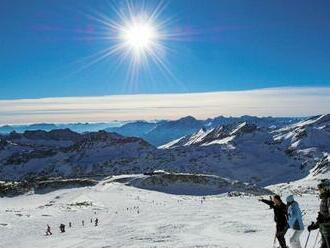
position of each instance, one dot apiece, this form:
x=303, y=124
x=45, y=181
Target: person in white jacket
x=295, y=221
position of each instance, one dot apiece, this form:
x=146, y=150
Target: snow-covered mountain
x=265, y=122
x=161, y=132
x=66, y=153
x=239, y=151
x=221, y=134
x=295, y=150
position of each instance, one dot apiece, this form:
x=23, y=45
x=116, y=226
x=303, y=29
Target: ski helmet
x=289, y=199
x=324, y=185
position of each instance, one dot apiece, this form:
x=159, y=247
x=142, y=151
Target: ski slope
x=132, y=217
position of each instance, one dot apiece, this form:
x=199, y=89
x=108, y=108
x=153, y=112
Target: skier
x=62, y=228
x=48, y=232
x=280, y=218
x=323, y=218
x=70, y=225
x=91, y=220
x=295, y=221
x=96, y=221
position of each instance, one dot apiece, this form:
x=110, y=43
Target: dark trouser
x=323, y=243
x=280, y=232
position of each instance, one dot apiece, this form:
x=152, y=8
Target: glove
x=312, y=226
x=320, y=218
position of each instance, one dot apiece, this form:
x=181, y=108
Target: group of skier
x=62, y=226
x=289, y=216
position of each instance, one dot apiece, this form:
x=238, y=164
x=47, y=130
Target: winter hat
x=324, y=184
x=290, y=198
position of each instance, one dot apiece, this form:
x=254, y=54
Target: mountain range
x=262, y=151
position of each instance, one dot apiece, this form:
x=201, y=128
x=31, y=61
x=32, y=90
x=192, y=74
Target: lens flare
x=137, y=36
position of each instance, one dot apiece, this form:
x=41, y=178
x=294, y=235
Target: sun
x=140, y=37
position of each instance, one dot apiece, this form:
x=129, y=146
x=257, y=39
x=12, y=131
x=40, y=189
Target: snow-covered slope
x=189, y=184
x=218, y=135
x=131, y=217
x=65, y=153
x=308, y=140
x=288, y=153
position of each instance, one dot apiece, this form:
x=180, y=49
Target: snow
x=220, y=141
x=131, y=217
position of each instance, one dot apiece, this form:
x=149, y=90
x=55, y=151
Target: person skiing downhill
x=96, y=222
x=295, y=221
x=323, y=218
x=48, y=232
x=280, y=218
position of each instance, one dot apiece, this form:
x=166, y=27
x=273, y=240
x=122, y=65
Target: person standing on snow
x=62, y=228
x=295, y=221
x=323, y=218
x=280, y=218
x=48, y=232
x=96, y=222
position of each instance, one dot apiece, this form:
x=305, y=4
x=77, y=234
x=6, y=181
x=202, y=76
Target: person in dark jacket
x=280, y=218
x=62, y=228
x=323, y=218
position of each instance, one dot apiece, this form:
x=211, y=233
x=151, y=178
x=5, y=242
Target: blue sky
x=226, y=45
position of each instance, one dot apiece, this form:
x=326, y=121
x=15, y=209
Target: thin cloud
x=286, y=101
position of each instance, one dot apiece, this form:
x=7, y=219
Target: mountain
x=169, y=130
x=66, y=153
x=296, y=150
x=77, y=127
x=239, y=151
x=221, y=134
x=158, y=133
x=162, y=132
x=136, y=129
x=309, y=139
x=265, y=122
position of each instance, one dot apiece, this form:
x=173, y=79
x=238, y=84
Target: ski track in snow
x=164, y=220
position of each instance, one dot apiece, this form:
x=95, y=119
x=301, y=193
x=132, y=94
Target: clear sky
x=223, y=45
x=48, y=49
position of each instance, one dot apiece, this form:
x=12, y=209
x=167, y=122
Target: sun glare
x=139, y=37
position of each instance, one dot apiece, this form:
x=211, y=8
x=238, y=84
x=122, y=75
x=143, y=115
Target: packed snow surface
x=132, y=217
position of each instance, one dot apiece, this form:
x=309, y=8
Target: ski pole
x=316, y=239
x=309, y=233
